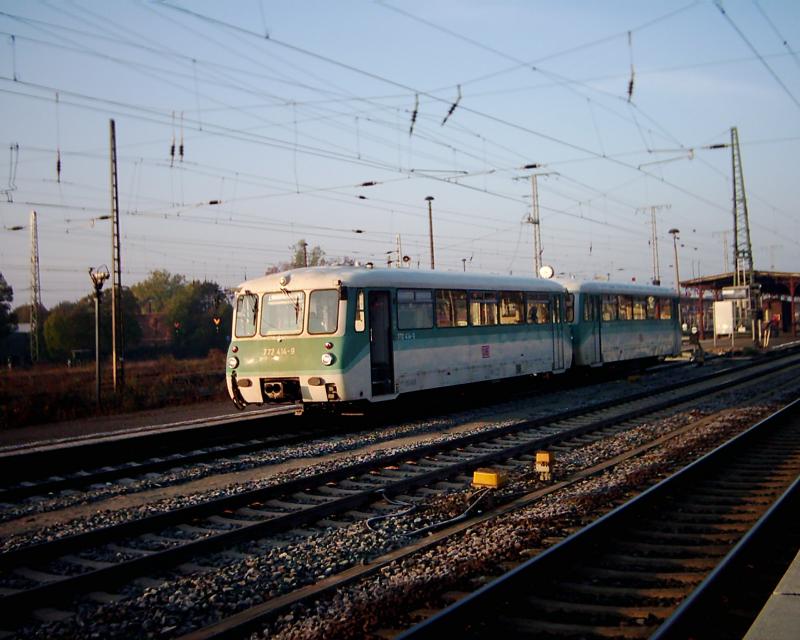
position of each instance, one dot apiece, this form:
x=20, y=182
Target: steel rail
x=498, y=605
x=18, y=603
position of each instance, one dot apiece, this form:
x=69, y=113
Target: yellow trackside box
x=488, y=478
x=545, y=460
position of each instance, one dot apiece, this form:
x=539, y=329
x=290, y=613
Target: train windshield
x=246, y=311
x=323, y=311
x=283, y=312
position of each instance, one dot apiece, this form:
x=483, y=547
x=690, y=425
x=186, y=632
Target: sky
x=244, y=127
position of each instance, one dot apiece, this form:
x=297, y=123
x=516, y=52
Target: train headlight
x=328, y=359
x=233, y=362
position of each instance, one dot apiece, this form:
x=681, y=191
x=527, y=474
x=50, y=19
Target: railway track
x=73, y=466
x=53, y=573
x=632, y=573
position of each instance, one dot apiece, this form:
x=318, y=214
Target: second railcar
x=619, y=322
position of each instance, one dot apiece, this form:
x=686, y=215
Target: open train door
x=559, y=328
x=380, y=343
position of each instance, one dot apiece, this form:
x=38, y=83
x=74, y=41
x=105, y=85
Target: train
x=338, y=336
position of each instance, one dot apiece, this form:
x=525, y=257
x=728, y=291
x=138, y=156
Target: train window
x=483, y=307
x=639, y=309
x=556, y=309
x=246, y=312
x=625, y=307
x=359, y=320
x=282, y=312
x=451, y=308
x=414, y=308
x=652, y=308
x=323, y=311
x=610, y=308
x=665, y=308
x=512, y=307
x=570, y=307
x=538, y=310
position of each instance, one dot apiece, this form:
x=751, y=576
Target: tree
x=300, y=253
x=70, y=325
x=192, y=312
x=155, y=292
x=8, y=321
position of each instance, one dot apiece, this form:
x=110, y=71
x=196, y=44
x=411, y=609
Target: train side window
x=665, y=308
x=609, y=308
x=359, y=323
x=512, y=307
x=570, y=307
x=588, y=303
x=639, y=309
x=538, y=310
x=414, y=308
x=451, y=308
x=246, y=312
x=323, y=311
x=652, y=308
x=282, y=312
x=556, y=301
x=625, y=307
x=483, y=308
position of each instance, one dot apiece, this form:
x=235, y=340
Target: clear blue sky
x=285, y=108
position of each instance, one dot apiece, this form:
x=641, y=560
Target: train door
x=592, y=316
x=380, y=343
x=558, y=333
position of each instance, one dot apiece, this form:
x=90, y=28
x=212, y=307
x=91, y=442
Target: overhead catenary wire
x=740, y=33
x=382, y=124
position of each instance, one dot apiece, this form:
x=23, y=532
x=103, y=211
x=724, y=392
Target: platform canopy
x=775, y=283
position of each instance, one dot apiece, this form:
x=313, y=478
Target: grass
x=52, y=393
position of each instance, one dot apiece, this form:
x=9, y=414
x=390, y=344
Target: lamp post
x=674, y=233
x=430, y=227
x=98, y=276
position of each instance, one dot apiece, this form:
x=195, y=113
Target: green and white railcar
x=347, y=334
x=615, y=322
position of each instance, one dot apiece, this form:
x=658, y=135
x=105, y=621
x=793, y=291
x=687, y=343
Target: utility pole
x=117, y=336
x=674, y=232
x=654, y=239
x=535, y=221
x=742, y=249
x=36, y=290
x=724, y=234
x=430, y=228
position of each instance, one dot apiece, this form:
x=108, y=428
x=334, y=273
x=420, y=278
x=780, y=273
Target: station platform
x=742, y=343
x=780, y=617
